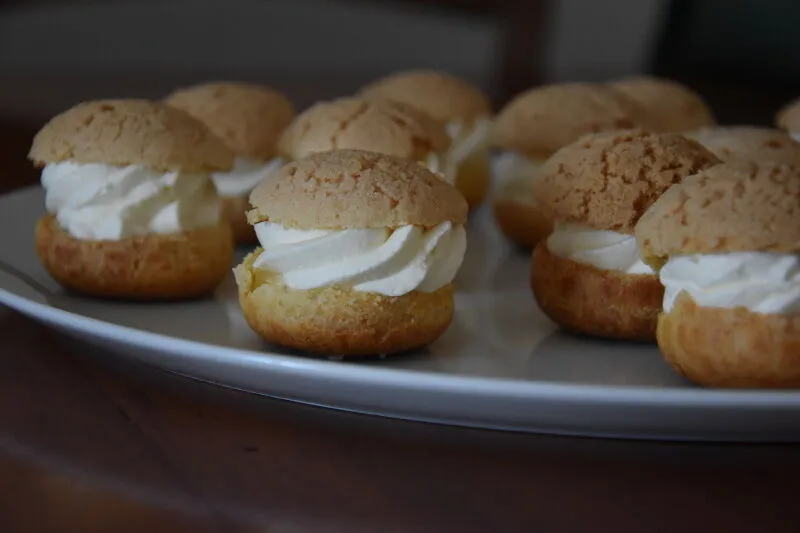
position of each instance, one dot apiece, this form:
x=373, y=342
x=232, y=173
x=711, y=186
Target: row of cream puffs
x=359, y=249
x=656, y=238
x=538, y=122
x=104, y=158
x=446, y=124
x=433, y=118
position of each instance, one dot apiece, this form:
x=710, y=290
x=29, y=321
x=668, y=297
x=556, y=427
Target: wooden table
x=90, y=443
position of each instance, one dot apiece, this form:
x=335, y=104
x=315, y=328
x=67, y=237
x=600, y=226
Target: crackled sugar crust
x=356, y=189
x=356, y=123
x=542, y=120
x=748, y=144
x=608, y=180
x=442, y=96
x=131, y=132
x=672, y=107
x=726, y=208
x=248, y=118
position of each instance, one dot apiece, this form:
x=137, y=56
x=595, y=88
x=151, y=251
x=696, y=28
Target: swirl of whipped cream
x=514, y=175
x=378, y=260
x=603, y=249
x=95, y=201
x=244, y=176
x=766, y=283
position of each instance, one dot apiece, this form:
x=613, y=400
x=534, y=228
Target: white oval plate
x=501, y=364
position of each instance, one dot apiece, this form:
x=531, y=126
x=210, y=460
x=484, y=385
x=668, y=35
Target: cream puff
x=587, y=275
x=671, y=106
x=249, y=119
x=464, y=110
x=378, y=126
x=133, y=213
x=748, y=144
x=531, y=128
x=726, y=243
x=358, y=254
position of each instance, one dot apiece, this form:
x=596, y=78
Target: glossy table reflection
x=87, y=441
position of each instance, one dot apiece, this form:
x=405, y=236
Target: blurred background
x=743, y=56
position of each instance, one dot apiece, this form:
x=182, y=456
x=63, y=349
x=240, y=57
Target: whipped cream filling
x=766, y=283
x=513, y=175
x=466, y=138
x=244, y=176
x=441, y=165
x=603, y=249
x=464, y=141
x=378, y=260
x=95, y=201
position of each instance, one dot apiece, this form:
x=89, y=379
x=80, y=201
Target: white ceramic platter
x=501, y=364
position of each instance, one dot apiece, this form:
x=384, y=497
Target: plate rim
x=374, y=375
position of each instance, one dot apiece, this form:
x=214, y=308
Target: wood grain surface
x=89, y=441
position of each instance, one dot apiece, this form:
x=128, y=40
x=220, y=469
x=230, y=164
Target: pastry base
x=233, y=210
x=473, y=178
x=148, y=267
x=730, y=347
x=523, y=223
x=597, y=302
x=340, y=321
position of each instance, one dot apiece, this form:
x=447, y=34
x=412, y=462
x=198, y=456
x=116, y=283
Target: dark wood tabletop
x=93, y=443
x=89, y=442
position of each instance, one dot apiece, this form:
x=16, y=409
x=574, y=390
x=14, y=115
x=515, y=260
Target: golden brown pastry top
x=248, y=118
x=749, y=143
x=355, y=123
x=542, y=120
x=608, y=180
x=732, y=207
x=438, y=94
x=672, y=107
x=131, y=132
x=355, y=189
